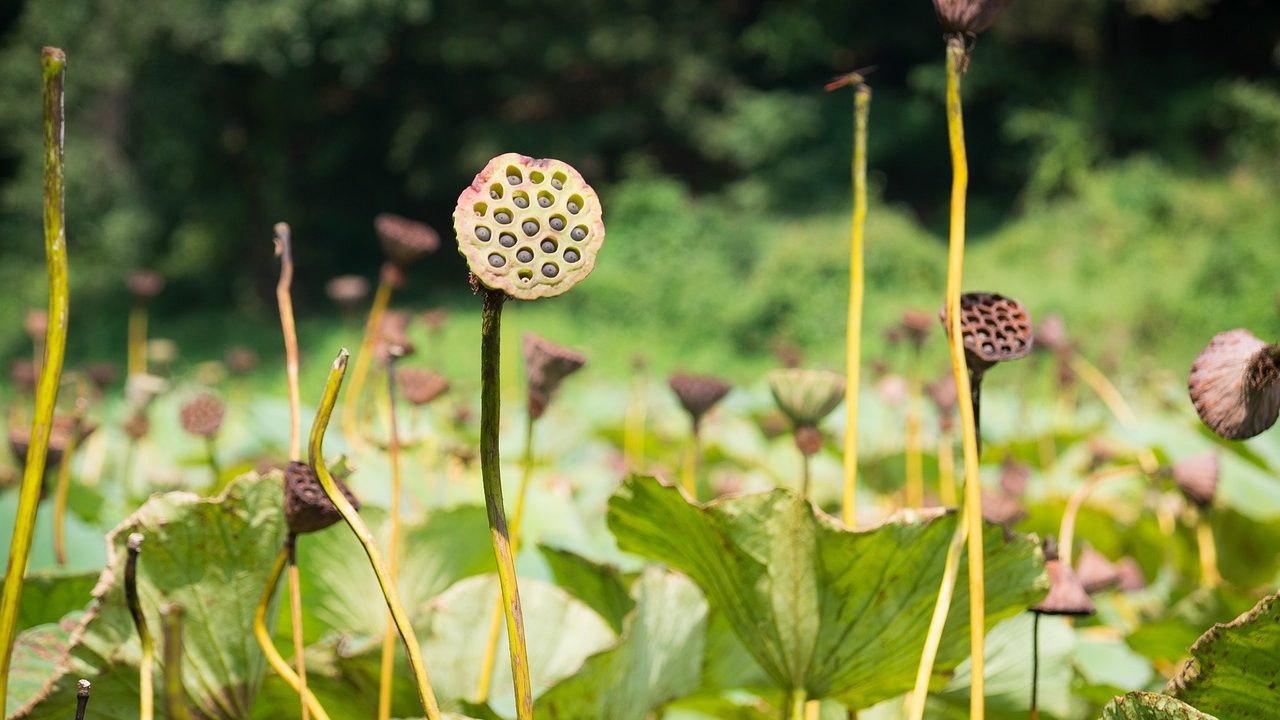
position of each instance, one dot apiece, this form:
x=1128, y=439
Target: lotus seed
x=507, y=240
x=573, y=207
x=521, y=201
x=557, y=223
x=497, y=260
x=513, y=179
x=548, y=245
x=502, y=216
x=483, y=233
x=524, y=255
x=545, y=200
x=530, y=227
x=550, y=270
x=557, y=183
x=571, y=255
x=578, y=233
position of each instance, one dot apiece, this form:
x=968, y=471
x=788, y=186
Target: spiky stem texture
x=54, y=63
x=853, y=337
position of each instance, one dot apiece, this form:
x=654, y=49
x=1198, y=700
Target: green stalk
x=211, y=449
x=171, y=626
x=54, y=63
x=146, y=691
x=491, y=472
x=362, y=533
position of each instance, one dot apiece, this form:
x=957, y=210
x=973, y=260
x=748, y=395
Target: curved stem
x=386, y=678
x=1067, y=530
x=171, y=627
x=362, y=533
x=853, y=335
x=295, y=618
x=55, y=240
x=1208, y=551
x=517, y=519
x=491, y=472
x=263, y=636
x=146, y=691
x=82, y=698
x=938, y=621
x=351, y=411
x=1115, y=402
x=284, y=299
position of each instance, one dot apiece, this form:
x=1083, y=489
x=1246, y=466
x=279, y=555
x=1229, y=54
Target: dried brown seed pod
x=421, y=386
x=24, y=374
x=138, y=425
x=1197, y=478
x=62, y=431
x=306, y=506
x=1051, y=334
x=435, y=319
x=1131, y=575
x=1001, y=507
x=405, y=240
x=202, y=415
x=1067, y=595
x=241, y=360
x=808, y=439
x=1014, y=476
x=36, y=323
x=1235, y=384
x=1095, y=571
x=102, y=374
x=943, y=393
x=994, y=329
x=970, y=17
x=806, y=396
x=144, y=284
x=546, y=365
x=698, y=393
x=347, y=291
x=393, y=332
x=915, y=327
x=529, y=228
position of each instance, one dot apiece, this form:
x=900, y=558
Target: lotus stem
x=1035, y=666
x=946, y=470
x=853, y=336
x=1067, y=530
x=372, y=327
x=211, y=451
x=263, y=636
x=1208, y=551
x=1115, y=402
x=689, y=470
x=295, y=619
x=171, y=625
x=136, y=363
x=795, y=709
x=491, y=472
x=805, y=474
x=938, y=622
x=82, y=698
x=386, y=677
x=61, y=494
x=813, y=710
x=634, y=432
x=362, y=533
x=914, y=457
x=146, y=690
x=54, y=63
x=517, y=520
x=284, y=299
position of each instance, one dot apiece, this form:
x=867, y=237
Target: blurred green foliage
x=1124, y=155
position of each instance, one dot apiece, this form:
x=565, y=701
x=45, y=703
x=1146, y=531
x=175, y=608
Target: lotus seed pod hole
x=546, y=199
x=579, y=233
x=571, y=256
x=536, y=177
x=495, y=191
x=524, y=255
x=481, y=209
x=506, y=239
x=521, y=199
x=483, y=233
x=502, y=216
x=530, y=227
x=497, y=260
x=548, y=245
x=557, y=180
x=550, y=270
x=514, y=176
x=574, y=205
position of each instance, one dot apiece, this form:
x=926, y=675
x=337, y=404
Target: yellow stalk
x=54, y=63
x=295, y=620
x=274, y=659
x=146, y=688
x=171, y=631
x=938, y=621
x=853, y=336
x=1067, y=530
x=946, y=470
x=137, y=358
x=1208, y=552
x=284, y=299
x=351, y=411
x=689, y=473
x=60, y=496
x=386, y=678
x=914, y=457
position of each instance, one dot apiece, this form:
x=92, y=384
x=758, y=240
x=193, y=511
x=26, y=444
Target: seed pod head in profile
x=1067, y=595
x=306, y=506
x=144, y=284
x=968, y=16
x=241, y=360
x=347, y=291
x=806, y=396
x=138, y=425
x=1235, y=384
x=202, y=415
x=1095, y=571
x=994, y=329
x=421, y=386
x=405, y=240
x=1197, y=478
x=698, y=393
x=1051, y=334
x=944, y=395
x=546, y=365
x=36, y=323
x=529, y=228
x=915, y=326
x=1131, y=575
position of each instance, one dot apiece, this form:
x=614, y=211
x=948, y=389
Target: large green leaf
x=210, y=555
x=658, y=659
x=1151, y=706
x=48, y=596
x=1234, y=667
x=838, y=613
x=38, y=653
x=602, y=587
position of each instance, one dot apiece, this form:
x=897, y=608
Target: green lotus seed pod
x=806, y=396
x=560, y=255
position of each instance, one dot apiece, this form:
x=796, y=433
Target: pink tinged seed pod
x=529, y=228
x=968, y=16
x=1067, y=595
x=1235, y=384
x=1095, y=571
x=546, y=365
x=1197, y=478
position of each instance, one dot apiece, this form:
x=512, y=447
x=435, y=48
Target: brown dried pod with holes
x=202, y=415
x=421, y=386
x=969, y=17
x=994, y=329
x=529, y=228
x=404, y=240
x=1197, y=478
x=1067, y=595
x=306, y=506
x=698, y=393
x=546, y=365
x=1235, y=384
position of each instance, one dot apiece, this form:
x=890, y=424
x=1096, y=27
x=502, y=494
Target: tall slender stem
x=263, y=636
x=805, y=474
x=491, y=472
x=914, y=456
x=796, y=705
x=362, y=533
x=689, y=473
x=171, y=626
x=295, y=619
x=386, y=677
x=946, y=470
x=61, y=494
x=82, y=698
x=517, y=519
x=853, y=336
x=1208, y=548
x=1067, y=530
x=975, y=401
x=1035, y=666
x=938, y=621
x=351, y=411
x=284, y=299
x=137, y=358
x=54, y=62
x=146, y=691
x=211, y=448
